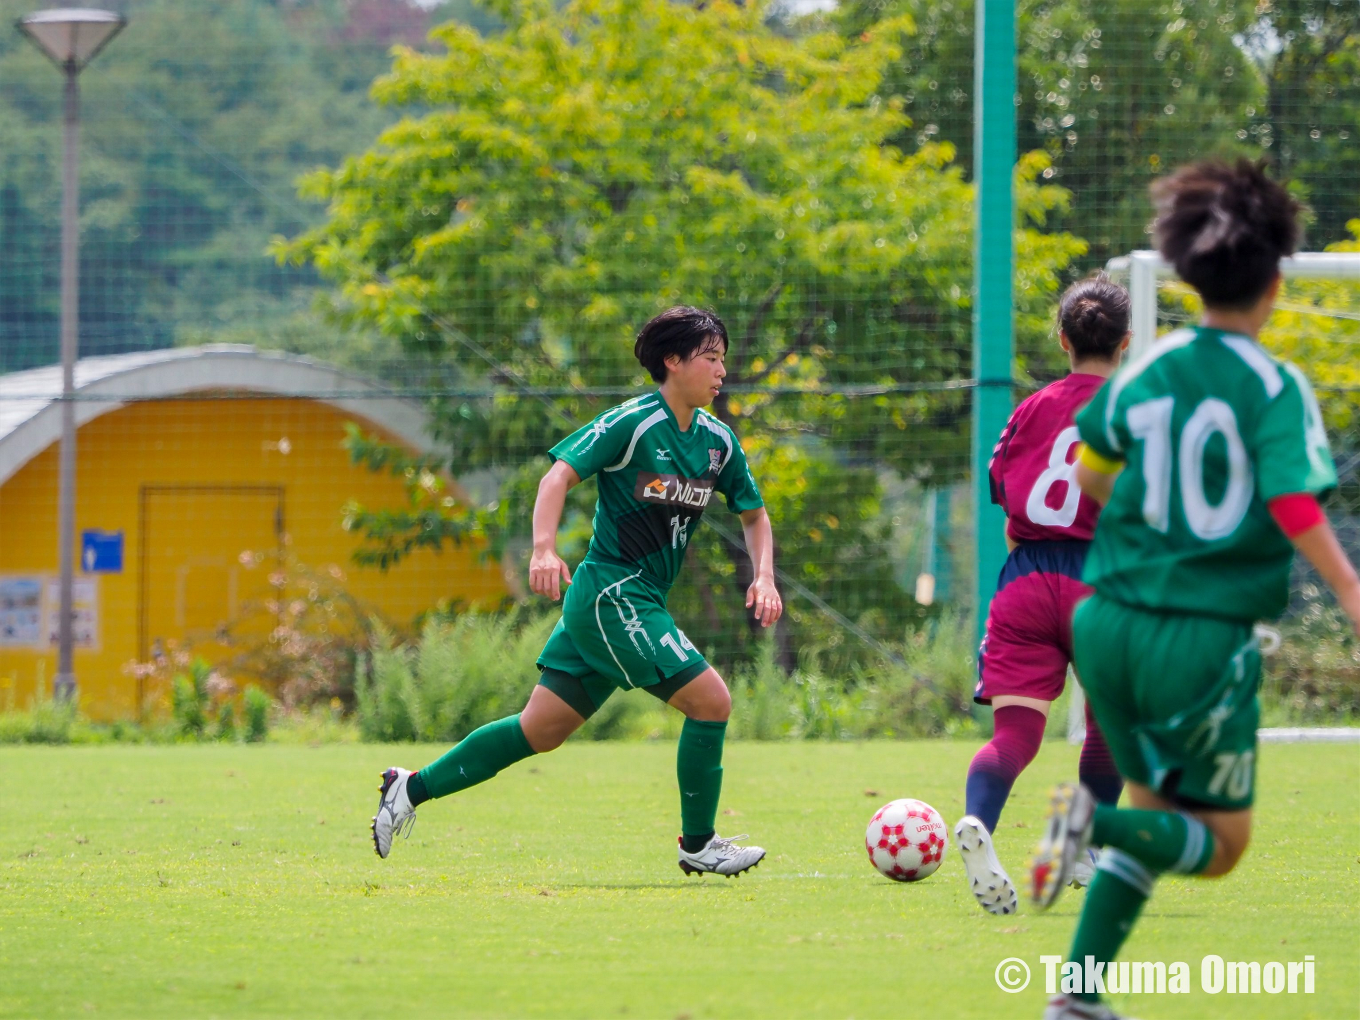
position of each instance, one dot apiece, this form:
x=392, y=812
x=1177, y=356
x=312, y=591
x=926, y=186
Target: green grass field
x=240, y=881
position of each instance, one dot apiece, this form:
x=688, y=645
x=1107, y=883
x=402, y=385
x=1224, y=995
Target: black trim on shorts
x=1170, y=790
x=669, y=685
x=570, y=689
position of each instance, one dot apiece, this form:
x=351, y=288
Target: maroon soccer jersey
x=1033, y=468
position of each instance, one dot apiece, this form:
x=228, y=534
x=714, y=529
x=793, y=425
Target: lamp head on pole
x=71, y=36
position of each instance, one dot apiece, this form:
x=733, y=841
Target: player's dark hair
x=1094, y=315
x=682, y=330
x=1225, y=228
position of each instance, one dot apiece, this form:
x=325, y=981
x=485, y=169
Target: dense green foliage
x=594, y=163
x=196, y=121
x=463, y=673
x=1117, y=93
x=559, y=182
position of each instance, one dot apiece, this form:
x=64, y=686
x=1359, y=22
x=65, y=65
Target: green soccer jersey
x=655, y=482
x=1210, y=427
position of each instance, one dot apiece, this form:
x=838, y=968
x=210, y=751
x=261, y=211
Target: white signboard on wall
x=21, y=612
x=84, y=609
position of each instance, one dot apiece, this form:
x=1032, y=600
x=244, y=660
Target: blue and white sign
x=101, y=552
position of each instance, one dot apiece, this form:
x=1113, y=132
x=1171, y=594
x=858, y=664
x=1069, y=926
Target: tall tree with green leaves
x=562, y=181
x=1310, y=58
x=1117, y=93
x=196, y=122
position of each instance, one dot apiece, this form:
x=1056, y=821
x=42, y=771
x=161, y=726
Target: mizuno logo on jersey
x=672, y=490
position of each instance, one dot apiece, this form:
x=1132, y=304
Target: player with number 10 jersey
x=1022, y=664
x=1209, y=456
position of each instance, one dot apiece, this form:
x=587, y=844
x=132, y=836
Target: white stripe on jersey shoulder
x=1319, y=451
x=1135, y=368
x=1257, y=360
x=611, y=417
x=658, y=415
x=716, y=425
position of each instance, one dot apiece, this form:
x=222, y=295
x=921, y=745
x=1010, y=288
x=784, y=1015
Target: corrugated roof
x=30, y=414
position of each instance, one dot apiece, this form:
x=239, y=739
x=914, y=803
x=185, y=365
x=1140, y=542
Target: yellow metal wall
x=208, y=475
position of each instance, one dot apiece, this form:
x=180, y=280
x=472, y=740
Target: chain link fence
x=459, y=289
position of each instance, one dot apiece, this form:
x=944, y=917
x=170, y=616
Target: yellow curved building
x=200, y=471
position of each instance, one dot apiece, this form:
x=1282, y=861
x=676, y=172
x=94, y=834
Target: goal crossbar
x=1143, y=269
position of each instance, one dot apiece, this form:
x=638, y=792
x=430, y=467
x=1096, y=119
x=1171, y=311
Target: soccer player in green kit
x=659, y=459
x=1209, y=455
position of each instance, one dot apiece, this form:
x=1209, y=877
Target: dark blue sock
x=1017, y=732
x=1104, y=786
x=415, y=790
x=1096, y=768
x=985, y=796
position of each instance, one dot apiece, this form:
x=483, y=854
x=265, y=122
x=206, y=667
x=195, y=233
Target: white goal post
x=1143, y=269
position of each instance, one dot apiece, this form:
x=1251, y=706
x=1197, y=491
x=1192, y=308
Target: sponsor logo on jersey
x=672, y=490
x=663, y=454
x=715, y=459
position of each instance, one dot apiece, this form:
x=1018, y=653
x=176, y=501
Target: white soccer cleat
x=721, y=857
x=1067, y=835
x=1085, y=869
x=1066, y=1007
x=991, y=886
x=395, y=813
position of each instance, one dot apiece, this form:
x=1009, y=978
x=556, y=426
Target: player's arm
x=763, y=595
x=548, y=573
x=1293, y=468
x=1096, y=474
x=1302, y=520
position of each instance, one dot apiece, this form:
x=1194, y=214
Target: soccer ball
x=906, y=840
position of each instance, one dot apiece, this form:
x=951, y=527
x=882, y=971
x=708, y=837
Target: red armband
x=1296, y=512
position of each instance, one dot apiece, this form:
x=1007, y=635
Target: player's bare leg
x=548, y=721
x=1231, y=829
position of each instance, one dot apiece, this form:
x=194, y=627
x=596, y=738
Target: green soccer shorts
x=1175, y=697
x=615, y=632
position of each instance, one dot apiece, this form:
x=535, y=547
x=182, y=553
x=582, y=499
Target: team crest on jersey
x=672, y=490
x=715, y=459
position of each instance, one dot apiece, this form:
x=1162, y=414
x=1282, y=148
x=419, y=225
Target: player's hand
x=764, y=597
x=548, y=574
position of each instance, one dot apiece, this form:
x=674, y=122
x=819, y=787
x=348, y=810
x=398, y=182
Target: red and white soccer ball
x=906, y=840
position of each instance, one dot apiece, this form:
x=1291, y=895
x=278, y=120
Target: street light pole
x=64, y=684
x=71, y=38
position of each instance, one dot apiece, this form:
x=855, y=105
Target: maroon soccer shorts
x=1028, y=643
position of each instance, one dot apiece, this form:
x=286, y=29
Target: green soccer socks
x=1114, y=900
x=1139, y=845
x=698, y=766
x=478, y=757
x=1160, y=840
